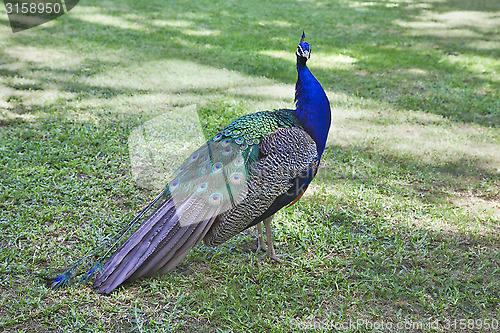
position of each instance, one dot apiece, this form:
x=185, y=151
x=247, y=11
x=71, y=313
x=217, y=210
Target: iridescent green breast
x=249, y=130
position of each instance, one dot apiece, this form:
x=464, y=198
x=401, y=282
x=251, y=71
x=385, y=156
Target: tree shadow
x=407, y=177
x=389, y=64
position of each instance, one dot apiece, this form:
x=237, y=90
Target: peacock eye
x=243, y=146
x=215, y=199
x=202, y=187
x=239, y=140
x=227, y=151
x=238, y=162
x=205, y=169
x=217, y=167
x=236, y=178
x=193, y=158
x=217, y=137
x=174, y=184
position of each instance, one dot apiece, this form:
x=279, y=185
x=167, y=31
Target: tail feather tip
x=57, y=282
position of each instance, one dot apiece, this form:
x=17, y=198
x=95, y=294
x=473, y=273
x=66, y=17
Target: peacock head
x=303, y=50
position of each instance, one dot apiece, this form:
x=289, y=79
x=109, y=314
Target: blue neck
x=312, y=105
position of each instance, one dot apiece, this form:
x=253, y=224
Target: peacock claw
x=271, y=254
x=275, y=257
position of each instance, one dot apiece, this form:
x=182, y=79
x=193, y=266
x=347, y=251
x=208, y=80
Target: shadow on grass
x=419, y=187
x=389, y=65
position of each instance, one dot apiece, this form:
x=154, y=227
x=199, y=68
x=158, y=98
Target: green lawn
x=400, y=227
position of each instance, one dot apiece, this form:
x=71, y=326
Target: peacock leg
x=260, y=238
x=269, y=238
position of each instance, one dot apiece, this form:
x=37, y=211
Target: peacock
x=239, y=178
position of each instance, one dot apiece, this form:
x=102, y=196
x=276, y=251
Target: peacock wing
x=287, y=158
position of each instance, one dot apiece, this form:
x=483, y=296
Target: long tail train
x=159, y=244
x=89, y=267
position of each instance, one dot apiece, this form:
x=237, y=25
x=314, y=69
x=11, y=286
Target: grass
x=401, y=225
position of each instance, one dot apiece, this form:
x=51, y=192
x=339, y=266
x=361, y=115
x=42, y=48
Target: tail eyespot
x=217, y=167
x=215, y=199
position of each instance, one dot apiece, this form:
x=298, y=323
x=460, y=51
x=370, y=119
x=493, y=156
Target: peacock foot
x=275, y=257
